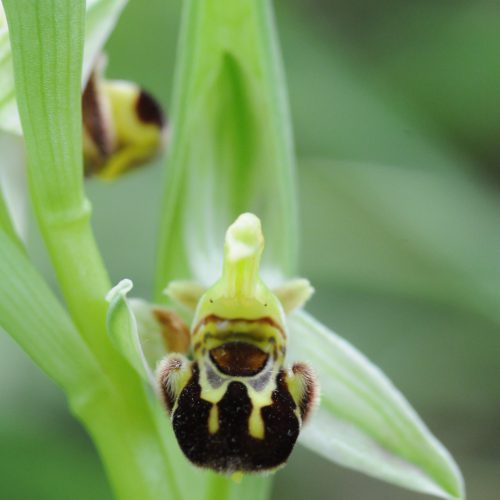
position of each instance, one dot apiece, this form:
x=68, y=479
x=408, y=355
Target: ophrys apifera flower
x=247, y=380
x=235, y=407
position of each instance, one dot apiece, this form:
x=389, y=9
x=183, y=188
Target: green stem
x=125, y=432
x=219, y=487
x=47, y=47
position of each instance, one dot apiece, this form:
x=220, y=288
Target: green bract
x=231, y=144
x=231, y=152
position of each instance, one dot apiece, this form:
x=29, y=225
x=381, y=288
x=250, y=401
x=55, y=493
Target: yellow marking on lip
x=213, y=419
x=256, y=424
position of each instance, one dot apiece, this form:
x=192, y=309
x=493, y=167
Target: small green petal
x=293, y=294
x=123, y=330
x=149, y=331
x=185, y=294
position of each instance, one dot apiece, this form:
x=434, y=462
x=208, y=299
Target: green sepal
x=123, y=330
x=231, y=148
x=363, y=422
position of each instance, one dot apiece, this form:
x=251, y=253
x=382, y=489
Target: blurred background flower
x=396, y=115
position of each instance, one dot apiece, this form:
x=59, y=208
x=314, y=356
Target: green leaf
x=100, y=20
x=364, y=422
x=31, y=315
x=123, y=330
x=231, y=148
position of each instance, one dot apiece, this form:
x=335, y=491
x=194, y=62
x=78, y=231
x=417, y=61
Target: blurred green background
x=396, y=109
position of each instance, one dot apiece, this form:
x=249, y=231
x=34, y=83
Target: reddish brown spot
x=239, y=359
x=148, y=109
x=174, y=331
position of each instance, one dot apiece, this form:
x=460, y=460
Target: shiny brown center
x=239, y=359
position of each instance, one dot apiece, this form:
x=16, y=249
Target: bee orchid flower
x=256, y=348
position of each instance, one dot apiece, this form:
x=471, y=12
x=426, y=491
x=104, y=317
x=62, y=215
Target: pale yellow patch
x=213, y=419
x=256, y=424
x=237, y=477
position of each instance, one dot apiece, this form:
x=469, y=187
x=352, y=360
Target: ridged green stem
x=47, y=48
